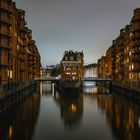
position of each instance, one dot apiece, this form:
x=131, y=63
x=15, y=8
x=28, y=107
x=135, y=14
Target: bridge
x=100, y=81
x=53, y=79
x=97, y=79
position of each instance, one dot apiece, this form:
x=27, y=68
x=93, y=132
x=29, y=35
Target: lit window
x=73, y=108
x=132, y=77
x=129, y=75
x=131, y=34
x=132, y=66
x=68, y=68
x=17, y=47
x=129, y=67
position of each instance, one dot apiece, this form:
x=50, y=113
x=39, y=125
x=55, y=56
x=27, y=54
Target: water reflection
x=122, y=116
x=46, y=87
x=90, y=87
x=20, y=123
x=71, y=109
x=91, y=115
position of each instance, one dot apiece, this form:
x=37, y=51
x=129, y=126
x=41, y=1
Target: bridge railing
x=46, y=79
x=95, y=79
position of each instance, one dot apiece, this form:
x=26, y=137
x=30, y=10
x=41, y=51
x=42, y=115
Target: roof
x=72, y=56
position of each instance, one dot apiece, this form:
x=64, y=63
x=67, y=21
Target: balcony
x=5, y=20
x=5, y=33
x=6, y=8
x=30, y=59
x=30, y=70
x=23, y=29
x=136, y=30
x=5, y=46
x=135, y=19
x=135, y=59
x=30, y=63
x=135, y=52
x=22, y=68
x=3, y=64
x=137, y=70
x=136, y=36
x=136, y=44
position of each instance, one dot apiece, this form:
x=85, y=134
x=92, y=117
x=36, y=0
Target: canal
x=95, y=114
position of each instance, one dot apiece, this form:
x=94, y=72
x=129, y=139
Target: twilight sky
x=88, y=25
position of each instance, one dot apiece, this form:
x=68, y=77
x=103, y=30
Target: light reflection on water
x=94, y=114
x=92, y=88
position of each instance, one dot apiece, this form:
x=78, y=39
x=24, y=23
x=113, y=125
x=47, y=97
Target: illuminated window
x=17, y=47
x=131, y=34
x=132, y=76
x=132, y=66
x=68, y=68
x=129, y=75
x=129, y=67
x=73, y=108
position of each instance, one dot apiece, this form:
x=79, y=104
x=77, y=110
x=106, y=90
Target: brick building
x=19, y=55
x=122, y=60
x=72, y=65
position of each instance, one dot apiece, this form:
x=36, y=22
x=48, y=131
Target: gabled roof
x=72, y=56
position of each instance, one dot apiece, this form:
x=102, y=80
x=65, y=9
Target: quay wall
x=15, y=95
x=127, y=92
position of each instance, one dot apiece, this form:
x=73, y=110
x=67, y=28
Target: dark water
x=92, y=115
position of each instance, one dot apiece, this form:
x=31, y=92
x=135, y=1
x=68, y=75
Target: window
x=66, y=58
x=132, y=66
x=71, y=58
x=129, y=67
x=68, y=68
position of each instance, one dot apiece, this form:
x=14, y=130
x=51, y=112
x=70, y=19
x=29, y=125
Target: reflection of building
x=122, y=116
x=71, y=110
x=90, y=87
x=21, y=122
x=90, y=70
x=46, y=87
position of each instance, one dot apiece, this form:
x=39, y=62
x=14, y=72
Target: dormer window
x=66, y=58
x=78, y=57
x=71, y=58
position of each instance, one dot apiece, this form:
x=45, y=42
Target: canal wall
x=130, y=93
x=15, y=95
